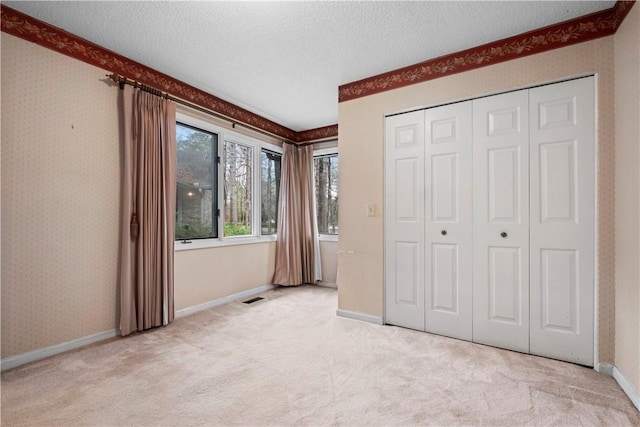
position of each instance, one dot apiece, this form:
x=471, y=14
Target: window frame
x=279, y=153
x=323, y=152
x=252, y=146
x=225, y=134
x=215, y=208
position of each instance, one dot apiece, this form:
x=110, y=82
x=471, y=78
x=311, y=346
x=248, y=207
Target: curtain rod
x=121, y=80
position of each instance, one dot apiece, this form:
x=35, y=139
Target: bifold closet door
x=501, y=221
x=404, y=220
x=562, y=149
x=490, y=220
x=448, y=234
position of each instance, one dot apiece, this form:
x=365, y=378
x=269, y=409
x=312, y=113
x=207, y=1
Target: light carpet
x=288, y=360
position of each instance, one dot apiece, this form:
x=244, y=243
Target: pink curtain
x=148, y=210
x=297, y=247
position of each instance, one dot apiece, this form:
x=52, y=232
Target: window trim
x=256, y=145
x=326, y=152
x=216, y=166
x=328, y=237
x=268, y=150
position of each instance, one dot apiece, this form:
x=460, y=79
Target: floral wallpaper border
x=326, y=132
x=43, y=34
x=578, y=30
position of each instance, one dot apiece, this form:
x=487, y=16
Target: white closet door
x=404, y=220
x=501, y=221
x=448, y=238
x=562, y=220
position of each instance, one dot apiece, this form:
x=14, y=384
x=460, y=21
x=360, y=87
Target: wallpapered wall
x=627, y=110
x=329, y=258
x=60, y=198
x=361, y=123
x=60, y=208
x=203, y=275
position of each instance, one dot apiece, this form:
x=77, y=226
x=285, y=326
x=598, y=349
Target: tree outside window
x=326, y=181
x=238, y=190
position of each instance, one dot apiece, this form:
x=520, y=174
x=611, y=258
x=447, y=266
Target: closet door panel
x=448, y=227
x=562, y=149
x=501, y=221
x=404, y=220
x=505, y=285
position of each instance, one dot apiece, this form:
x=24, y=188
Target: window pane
x=270, y=163
x=326, y=175
x=196, y=184
x=238, y=181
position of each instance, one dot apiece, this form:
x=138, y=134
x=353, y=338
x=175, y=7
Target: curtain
x=310, y=244
x=297, y=246
x=148, y=132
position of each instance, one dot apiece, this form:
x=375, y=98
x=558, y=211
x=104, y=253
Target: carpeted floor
x=288, y=360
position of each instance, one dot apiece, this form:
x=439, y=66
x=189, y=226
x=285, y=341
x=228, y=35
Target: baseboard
x=359, y=316
x=327, y=285
x=41, y=353
x=605, y=368
x=213, y=303
x=31, y=356
x=627, y=388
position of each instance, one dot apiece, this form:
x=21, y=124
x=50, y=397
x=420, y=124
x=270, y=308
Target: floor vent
x=252, y=300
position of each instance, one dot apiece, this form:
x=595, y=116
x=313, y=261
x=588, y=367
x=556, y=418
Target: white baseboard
x=213, y=303
x=327, y=285
x=41, y=353
x=633, y=395
x=605, y=368
x=359, y=316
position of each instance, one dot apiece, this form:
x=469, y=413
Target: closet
x=490, y=220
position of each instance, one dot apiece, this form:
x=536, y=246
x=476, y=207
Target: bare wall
x=361, y=123
x=627, y=110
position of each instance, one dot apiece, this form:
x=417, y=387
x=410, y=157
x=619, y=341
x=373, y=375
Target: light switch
x=371, y=210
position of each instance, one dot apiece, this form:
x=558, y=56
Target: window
x=196, y=190
x=326, y=176
x=228, y=185
x=238, y=190
x=270, y=164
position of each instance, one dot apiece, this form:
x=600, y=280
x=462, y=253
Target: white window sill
x=219, y=243
x=235, y=241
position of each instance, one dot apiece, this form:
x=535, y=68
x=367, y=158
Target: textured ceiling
x=285, y=60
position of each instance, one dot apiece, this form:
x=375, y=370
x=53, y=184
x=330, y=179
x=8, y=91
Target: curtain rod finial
x=117, y=79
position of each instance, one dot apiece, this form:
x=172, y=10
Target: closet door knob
x=503, y=235
x=443, y=232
